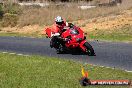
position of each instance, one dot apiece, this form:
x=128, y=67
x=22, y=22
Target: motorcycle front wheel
x=89, y=49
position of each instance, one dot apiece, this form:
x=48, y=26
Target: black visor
x=59, y=23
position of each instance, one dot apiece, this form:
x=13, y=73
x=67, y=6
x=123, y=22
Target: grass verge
x=122, y=34
x=45, y=72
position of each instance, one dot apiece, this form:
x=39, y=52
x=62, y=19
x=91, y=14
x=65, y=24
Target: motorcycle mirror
x=85, y=33
x=70, y=25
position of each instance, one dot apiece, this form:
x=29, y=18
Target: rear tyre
x=54, y=42
x=60, y=49
x=89, y=49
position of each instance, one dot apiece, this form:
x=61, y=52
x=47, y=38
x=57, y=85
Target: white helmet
x=58, y=19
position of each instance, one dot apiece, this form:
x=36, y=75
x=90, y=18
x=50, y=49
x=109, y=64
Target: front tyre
x=89, y=49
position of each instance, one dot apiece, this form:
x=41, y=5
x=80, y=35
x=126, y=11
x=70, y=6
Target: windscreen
x=74, y=31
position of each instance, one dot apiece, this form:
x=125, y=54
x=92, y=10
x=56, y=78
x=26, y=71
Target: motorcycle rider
x=57, y=29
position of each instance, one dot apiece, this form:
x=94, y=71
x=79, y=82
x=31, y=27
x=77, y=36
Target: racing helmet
x=59, y=20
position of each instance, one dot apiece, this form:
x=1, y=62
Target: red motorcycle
x=72, y=38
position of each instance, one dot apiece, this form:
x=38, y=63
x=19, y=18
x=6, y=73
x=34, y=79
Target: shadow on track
x=75, y=52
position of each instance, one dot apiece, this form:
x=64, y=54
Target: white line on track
x=19, y=54
x=4, y=52
x=114, y=68
x=12, y=53
x=128, y=71
x=110, y=67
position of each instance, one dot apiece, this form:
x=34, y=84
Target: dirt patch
x=109, y=22
x=24, y=30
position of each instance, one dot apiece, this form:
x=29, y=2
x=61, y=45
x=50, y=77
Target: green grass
x=45, y=72
x=122, y=34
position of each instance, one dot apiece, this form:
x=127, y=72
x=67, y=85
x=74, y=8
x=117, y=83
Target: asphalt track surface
x=110, y=54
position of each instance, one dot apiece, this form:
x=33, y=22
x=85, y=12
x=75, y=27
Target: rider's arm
x=55, y=34
x=55, y=31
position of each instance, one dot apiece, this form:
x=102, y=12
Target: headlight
x=78, y=39
x=74, y=32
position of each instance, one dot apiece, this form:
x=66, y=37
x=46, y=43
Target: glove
x=55, y=34
x=66, y=39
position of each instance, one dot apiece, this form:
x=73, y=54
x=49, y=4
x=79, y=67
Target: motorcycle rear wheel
x=60, y=49
x=89, y=49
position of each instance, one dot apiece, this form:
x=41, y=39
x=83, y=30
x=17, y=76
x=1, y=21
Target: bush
x=9, y=20
x=12, y=8
x=9, y=14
